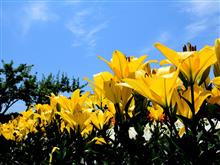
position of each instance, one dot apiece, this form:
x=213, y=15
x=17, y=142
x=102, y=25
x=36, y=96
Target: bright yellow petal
x=156, y=113
x=112, y=91
x=165, y=70
x=165, y=62
x=207, y=58
x=98, y=84
x=146, y=66
x=109, y=63
x=75, y=94
x=182, y=130
x=169, y=53
x=118, y=63
x=199, y=101
x=99, y=140
x=134, y=65
x=119, y=60
x=216, y=82
x=164, y=86
x=217, y=50
x=138, y=85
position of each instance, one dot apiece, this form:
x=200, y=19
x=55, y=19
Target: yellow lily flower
x=106, y=85
x=115, y=93
x=98, y=84
x=124, y=67
x=146, y=67
x=100, y=118
x=27, y=114
x=45, y=112
x=7, y=130
x=119, y=94
x=77, y=121
x=157, y=88
x=183, y=109
x=19, y=127
x=76, y=98
x=99, y=140
x=74, y=112
x=216, y=82
x=164, y=70
x=75, y=102
x=156, y=113
x=215, y=97
x=193, y=63
x=103, y=104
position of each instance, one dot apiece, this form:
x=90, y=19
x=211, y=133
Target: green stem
x=193, y=126
x=192, y=99
x=192, y=107
x=171, y=125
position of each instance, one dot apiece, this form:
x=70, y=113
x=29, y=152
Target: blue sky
x=67, y=36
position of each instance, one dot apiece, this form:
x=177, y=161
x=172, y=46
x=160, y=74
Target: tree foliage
x=18, y=83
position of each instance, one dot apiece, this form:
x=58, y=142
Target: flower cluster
x=179, y=100
x=79, y=113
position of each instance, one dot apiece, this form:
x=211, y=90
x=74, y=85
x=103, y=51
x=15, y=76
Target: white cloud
x=85, y=28
x=195, y=28
x=203, y=15
x=35, y=12
x=202, y=8
x=77, y=23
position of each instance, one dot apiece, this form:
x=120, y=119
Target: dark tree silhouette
x=18, y=83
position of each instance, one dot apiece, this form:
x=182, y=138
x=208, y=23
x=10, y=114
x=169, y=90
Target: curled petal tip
x=157, y=44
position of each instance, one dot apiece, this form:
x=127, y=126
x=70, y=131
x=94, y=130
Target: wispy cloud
x=195, y=28
x=202, y=8
x=35, y=12
x=204, y=15
x=85, y=28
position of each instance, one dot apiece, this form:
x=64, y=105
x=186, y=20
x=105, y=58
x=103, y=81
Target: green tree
x=54, y=84
x=18, y=83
